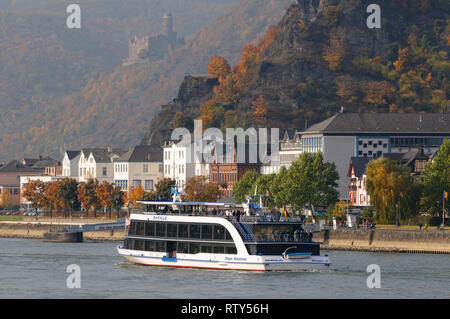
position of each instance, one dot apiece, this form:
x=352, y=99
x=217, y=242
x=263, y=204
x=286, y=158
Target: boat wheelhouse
x=179, y=234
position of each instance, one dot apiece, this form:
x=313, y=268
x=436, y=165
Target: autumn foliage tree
x=34, y=192
x=335, y=52
x=199, y=189
x=218, y=67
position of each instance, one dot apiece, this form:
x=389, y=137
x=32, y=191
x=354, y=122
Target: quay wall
x=387, y=240
x=37, y=230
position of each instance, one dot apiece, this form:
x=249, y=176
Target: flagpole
x=443, y=210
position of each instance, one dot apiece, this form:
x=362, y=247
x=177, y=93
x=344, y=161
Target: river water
x=30, y=268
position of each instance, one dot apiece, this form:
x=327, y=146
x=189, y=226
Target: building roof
x=16, y=166
x=105, y=155
x=45, y=162
x=29, y=161
x=376, y=123
x=72, y=154
x=359, y=165
x=406, y=158
x=141, y=153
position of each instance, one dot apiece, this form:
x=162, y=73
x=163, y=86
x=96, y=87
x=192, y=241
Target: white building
x=371, y=135
x=97, y=163
x=70, y=164
x=290, y=149
x=178, y=163
x=141, y=165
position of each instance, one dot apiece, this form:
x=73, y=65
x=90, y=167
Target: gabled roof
x=72, y=154
x=393, y=123
x=105, y=155
x=359, y=165
x=141, y=153
x=29, y=161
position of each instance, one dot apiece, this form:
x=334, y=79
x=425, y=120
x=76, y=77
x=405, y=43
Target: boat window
x=206, y=249
x=138, y=244
x=194, y=248
x=183, y=230
x=140, y=228
x=228, y=235
x=149, y=245
x=219, y=232
x=219, y=249
x=206, y=231
x=150, y=229
x=194, y=231
x=183, y=247
x=132, y=229
x=160, y=245
x=230, y=250
x=129, y=243
x=161, y=229
x=172, y=230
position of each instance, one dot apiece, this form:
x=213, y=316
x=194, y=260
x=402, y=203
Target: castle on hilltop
x=153, y=48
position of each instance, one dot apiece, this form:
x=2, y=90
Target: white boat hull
x=225, y=262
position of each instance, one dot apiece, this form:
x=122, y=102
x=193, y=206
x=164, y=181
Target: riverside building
x=347, y=135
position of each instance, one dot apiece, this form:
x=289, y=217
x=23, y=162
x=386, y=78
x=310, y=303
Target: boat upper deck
x=267, y=218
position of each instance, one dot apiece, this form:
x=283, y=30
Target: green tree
x=245, y=186
x=164, y=189
x=68, y=192
x=436, y=180
x=311, y=180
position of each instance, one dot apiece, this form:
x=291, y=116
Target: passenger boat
x=174, y=234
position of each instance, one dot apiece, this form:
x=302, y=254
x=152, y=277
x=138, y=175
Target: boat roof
x=188, y=203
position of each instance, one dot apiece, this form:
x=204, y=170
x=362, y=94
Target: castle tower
x=168, y=28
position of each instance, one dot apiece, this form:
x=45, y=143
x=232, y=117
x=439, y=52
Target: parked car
x=15, y=213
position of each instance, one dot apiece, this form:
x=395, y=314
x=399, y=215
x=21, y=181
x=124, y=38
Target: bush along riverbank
x=386, y=240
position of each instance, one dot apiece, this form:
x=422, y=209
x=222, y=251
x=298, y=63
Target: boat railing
x=243, y=229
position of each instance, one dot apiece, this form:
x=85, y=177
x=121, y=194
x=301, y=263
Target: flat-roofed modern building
x=347, y=135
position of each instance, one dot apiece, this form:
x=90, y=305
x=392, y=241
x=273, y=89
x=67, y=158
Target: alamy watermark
x=74, y=19
x=374, y=279
x=74, y=279
x=237, y=146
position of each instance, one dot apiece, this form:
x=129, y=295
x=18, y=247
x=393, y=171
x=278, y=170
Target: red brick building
x=225, y=174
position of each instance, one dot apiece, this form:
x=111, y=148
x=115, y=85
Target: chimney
x=109, y=149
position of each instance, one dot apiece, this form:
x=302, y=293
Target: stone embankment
x=37, y=230
x=387, y=240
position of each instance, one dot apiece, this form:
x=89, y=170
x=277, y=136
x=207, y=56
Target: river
x=30, y=268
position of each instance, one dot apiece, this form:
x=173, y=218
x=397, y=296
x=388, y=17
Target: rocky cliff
x=194, y=91
x=324, y=57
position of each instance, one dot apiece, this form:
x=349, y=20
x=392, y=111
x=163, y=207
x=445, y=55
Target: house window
x=160, y=168
x=104, y=171
x=148, y=184
x=136, y=182
x=145, y=168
